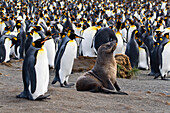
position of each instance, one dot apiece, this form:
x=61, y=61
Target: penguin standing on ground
x=64, y=58
x=35, y=72
x=143, y=56
x=163, y=55
x=5, y=44
x=132, y=50
x=165, y=66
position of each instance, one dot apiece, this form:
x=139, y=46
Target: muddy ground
x=145, y=95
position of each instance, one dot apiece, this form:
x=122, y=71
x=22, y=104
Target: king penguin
x=35, y=72
x=164, y=66
x=132, y=50
x=64, y=58
x=5, y=44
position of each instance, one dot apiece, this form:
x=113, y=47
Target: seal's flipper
x=116, y=86
x=107, y=91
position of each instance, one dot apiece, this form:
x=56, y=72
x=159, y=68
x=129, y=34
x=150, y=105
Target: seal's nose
x=114, y=42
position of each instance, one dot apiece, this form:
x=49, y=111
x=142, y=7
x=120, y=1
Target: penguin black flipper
x=32, y=72
x=44, y=27
x=2, y=51
x=27, y=77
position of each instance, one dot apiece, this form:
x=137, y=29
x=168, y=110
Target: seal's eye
x=108, y=45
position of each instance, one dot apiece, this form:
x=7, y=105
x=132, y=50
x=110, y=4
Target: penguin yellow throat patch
x=118, y=33
x=71, y=41
x=94, y=28
x=133, y=26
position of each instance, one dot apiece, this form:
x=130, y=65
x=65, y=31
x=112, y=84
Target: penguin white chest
x=36, y=36
x=119, y=49
x=87, y=42
x=165, y=60
x=7, y=45
x=42, y=73
x=50, y=47
x=143, y=63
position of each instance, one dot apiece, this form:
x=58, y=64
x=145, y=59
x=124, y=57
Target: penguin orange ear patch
x=33, y=44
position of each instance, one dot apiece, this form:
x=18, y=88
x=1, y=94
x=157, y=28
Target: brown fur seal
x=102, y=78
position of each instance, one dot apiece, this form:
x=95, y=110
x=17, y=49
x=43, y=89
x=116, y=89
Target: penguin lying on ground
x=35, y=72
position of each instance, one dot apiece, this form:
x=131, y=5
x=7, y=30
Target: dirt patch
x=145, y=95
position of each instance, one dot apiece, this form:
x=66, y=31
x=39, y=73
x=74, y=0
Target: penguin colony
x=52, y=33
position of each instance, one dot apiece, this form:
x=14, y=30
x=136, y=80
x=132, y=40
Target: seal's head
x=107, y=47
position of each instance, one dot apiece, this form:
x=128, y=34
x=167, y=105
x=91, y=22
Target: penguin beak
x=79, y=37
x=47, y=38
x=11, y=45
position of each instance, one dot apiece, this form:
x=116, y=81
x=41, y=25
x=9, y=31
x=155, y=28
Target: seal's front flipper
x=116, y=86
x=121, y=93
x=108, y=91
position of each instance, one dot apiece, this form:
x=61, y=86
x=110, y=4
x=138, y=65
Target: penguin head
x=48, y=33
x=48, y=23
x=166, y=35
x=158, y=32
x=72, y=35
x=14, y=41
x=37, y=28
x=118, y=25
x=39, y=43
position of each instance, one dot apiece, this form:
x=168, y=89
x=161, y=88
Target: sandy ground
x=145, y=95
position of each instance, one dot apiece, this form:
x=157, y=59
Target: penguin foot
x=41, y=97
x=54, y=81
x=25, y=94
x=51, y=67
x=69, y=85
x=157, y=75
x=151, y=74
x=66, y=85
x=8, y=61
x=163, y=78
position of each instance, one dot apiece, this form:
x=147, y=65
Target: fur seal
x=102, y=78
